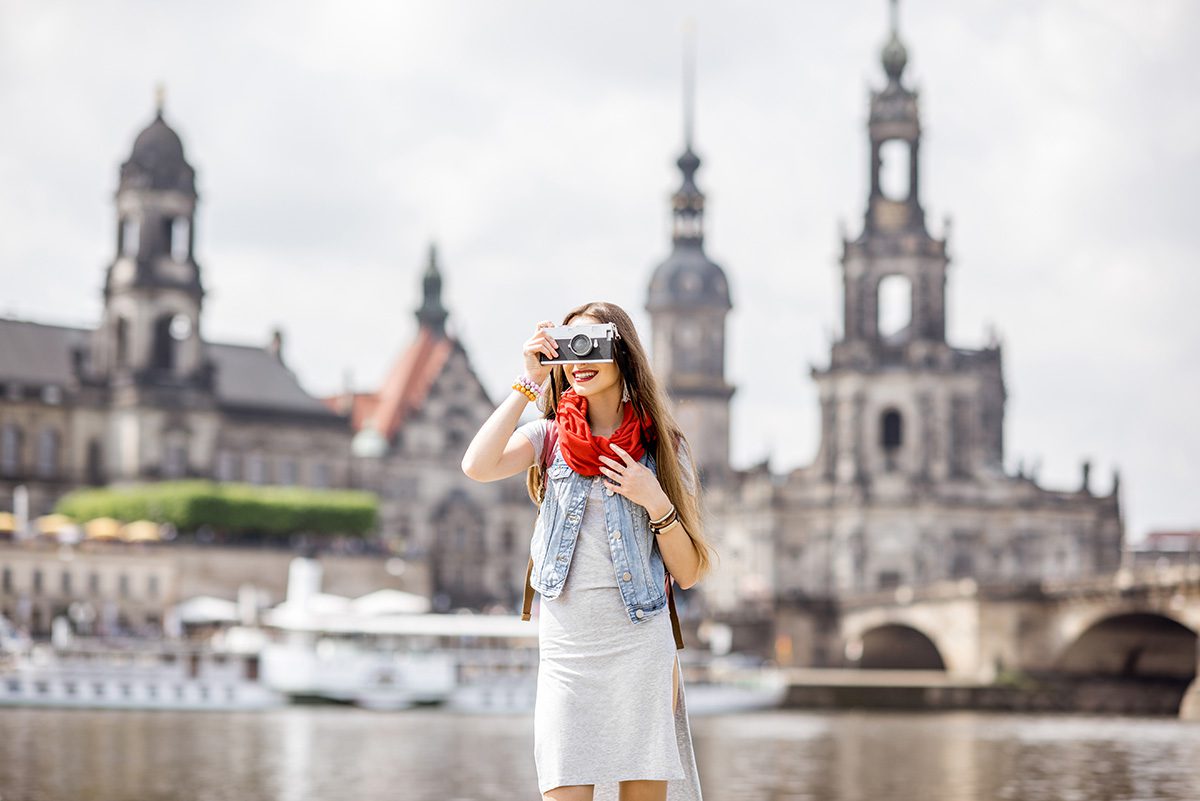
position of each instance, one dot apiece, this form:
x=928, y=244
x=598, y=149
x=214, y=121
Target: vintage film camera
x=582, y=343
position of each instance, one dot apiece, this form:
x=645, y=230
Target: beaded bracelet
x=527, y=387
x=535, y=387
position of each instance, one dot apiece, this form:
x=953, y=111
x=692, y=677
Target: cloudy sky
x=535, y=142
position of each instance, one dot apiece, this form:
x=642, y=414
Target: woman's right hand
x=540, y=342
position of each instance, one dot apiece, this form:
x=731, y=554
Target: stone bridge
x=1135, y=624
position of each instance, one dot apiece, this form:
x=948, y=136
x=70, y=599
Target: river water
x=333, y=753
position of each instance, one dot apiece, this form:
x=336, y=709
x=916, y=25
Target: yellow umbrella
x=102, y=528
x=52, y=524
x=8, y=522
x=141, y=531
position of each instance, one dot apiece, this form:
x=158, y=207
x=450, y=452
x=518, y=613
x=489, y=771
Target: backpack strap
x=547, y=448
x=674, y=615
x=527, y=606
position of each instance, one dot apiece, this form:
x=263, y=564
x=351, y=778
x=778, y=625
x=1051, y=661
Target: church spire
x=688, y=201
x=432, y=314
x=894, y=55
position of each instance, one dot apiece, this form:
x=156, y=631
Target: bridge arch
x=897, y=646
x=1132, y=645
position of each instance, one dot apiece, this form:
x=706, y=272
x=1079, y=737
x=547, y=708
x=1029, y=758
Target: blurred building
x=908, y=486
x=145, y=396
x=1161, y=549
x=473, y=538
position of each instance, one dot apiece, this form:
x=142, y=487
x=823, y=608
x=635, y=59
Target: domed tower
x=688, y=301
x=150, y=334
x=901, y=407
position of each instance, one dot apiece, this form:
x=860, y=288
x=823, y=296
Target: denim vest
x=638, y=565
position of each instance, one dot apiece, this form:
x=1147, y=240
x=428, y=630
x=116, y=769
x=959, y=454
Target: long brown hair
x=648, y=399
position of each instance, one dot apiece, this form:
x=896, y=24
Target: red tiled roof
x=405, y=387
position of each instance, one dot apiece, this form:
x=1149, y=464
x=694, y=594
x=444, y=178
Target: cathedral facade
x=145, y=396
x=908, y=486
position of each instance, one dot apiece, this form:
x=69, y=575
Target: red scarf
x=581, y=449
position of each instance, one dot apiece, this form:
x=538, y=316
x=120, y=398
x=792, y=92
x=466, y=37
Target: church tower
x=900, y=405
x=688, y=302
x=150, y=334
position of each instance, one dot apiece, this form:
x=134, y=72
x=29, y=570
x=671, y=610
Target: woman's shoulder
x=535, y=431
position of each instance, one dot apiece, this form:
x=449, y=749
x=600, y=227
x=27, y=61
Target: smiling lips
x=584, y=375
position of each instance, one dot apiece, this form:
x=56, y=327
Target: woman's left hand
x=636, y=481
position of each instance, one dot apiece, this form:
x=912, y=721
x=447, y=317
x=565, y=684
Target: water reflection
x=326, y=753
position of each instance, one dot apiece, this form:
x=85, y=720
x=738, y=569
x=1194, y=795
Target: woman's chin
x=589, y=391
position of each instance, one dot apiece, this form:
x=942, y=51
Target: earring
x=624, y=392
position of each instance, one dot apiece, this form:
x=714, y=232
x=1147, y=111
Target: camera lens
x=581, y=344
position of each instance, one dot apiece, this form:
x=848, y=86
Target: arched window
x=180, y=235
x=94, y=468
x=128, y=235
x=891, y=436
x=47, y=453
x=894, y=305
x=122, y=342
x=164, y=344
x=894, y=169
x=10, y=449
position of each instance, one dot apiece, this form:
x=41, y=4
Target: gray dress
x=602, y=713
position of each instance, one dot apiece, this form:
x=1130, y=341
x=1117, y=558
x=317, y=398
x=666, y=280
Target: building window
x=128, y=235
x=122, y=337
x=894, y=305
x=180, y=234
x=66, y=582
x=888, y=579
x=895, y=169
x=227, y=466
x=94, y=468
x=94, y=583
x=123, y=585
x=152, y=587
x=175, y=460
x=289, y=472
x=10, y=450
x=47, y=453
x=6, y=581
x=164, y=343
x=256, y=469
x=320, y=475
x=37, y=582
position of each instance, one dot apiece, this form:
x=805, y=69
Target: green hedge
x=229, y=506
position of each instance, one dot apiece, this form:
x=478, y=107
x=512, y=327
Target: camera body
x=582, y=343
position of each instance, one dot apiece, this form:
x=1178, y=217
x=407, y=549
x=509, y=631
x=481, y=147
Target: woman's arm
x=498, y=451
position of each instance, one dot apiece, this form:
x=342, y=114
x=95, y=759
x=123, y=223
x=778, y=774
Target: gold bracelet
x=658, y=531
x=665, y=522
x=663, y=519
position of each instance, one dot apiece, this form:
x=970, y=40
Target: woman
x=617, y=510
